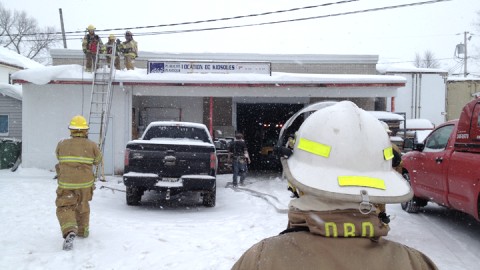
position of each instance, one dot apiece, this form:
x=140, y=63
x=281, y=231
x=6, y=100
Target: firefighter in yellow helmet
x=91, y=44
x=341, y=168
x=76, y=157
x=113, y=42
x=129, y=49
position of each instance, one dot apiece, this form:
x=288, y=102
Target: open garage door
x=261, y=124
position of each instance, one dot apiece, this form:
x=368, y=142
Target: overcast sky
x=395, y=35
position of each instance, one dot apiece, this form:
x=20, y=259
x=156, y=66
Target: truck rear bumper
x=184, y=183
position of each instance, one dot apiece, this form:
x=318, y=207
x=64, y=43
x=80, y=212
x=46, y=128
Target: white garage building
x=52, y=95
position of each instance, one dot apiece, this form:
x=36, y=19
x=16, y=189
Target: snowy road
x=182, y=234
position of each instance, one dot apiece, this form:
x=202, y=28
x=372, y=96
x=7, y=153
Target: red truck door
x=464, y=174
x=432, y=163
x=475, y=128
x=468, y=134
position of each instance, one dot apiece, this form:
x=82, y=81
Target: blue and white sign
x=209, y=67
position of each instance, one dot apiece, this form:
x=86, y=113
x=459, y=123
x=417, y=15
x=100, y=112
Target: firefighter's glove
x=384, y=218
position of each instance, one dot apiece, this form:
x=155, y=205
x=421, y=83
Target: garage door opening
x=261, y=124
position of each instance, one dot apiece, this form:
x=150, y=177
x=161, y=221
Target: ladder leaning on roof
x=101, y=99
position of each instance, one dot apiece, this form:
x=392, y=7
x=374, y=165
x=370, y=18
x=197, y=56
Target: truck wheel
x=412, y=205
x=209, y=198
x=133, y=196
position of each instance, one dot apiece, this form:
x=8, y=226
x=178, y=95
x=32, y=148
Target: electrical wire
x=254, y=15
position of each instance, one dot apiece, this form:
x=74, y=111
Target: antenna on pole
x=461, y=52
x=465, y=54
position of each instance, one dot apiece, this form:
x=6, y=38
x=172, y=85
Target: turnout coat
x=339, y=239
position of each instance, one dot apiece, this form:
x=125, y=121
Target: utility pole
x=465, y=54
x=63, y=29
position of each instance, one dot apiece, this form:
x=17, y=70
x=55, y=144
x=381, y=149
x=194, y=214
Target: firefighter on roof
x=76, y=157
x=112, y=41
x=91, y=44
x=129, y=49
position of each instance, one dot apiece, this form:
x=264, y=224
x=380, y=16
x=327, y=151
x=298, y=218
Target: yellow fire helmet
x=111, y=37
x=78, y=122
x=91, y=27
x=343, y=153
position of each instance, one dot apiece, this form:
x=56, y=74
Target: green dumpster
x=10, y=151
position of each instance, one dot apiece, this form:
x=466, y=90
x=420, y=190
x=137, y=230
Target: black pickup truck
x=171, y=158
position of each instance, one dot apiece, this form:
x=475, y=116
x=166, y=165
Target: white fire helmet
x=343, y=153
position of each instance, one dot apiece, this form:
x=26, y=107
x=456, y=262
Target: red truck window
x=438, y=140
x=475, y=130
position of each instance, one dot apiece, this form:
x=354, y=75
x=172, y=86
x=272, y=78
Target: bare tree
x=418, y=60
x=23, y=35
x=427, y=61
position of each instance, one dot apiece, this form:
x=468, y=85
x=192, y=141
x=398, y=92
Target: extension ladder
x=101, y=99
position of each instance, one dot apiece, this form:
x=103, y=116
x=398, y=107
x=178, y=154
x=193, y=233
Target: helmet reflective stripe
x=69, y=159
x=388, y=153
x=314, y=147
x=74, y=185
x=361, y=181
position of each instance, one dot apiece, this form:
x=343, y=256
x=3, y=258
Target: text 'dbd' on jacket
x=76, y=157
x=304, y=250
x=355, y=242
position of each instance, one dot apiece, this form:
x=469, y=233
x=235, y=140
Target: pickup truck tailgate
x=168, y=160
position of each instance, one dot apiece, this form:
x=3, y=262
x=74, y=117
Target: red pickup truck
x=445, y=168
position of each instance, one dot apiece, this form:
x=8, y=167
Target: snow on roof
x=407, y=68
x=44, y=75
x=386, y=116
x=12, y=58
x=419, y=124
x=13, y=91
x=468, y=78
x=176, y=123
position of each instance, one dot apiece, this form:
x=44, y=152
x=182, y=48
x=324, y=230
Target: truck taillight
x=213, y=161
x=127, y=154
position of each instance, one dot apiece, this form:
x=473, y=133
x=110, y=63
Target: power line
x=258, y=14
x=215, y=20
x=293, y=20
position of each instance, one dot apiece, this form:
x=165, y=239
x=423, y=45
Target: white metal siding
x=13, y=108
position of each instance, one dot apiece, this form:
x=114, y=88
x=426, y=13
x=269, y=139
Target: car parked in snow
x=171, y=158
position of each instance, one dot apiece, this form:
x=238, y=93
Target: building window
x=3, y=125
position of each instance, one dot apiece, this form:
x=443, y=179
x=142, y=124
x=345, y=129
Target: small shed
x=11, y=95
x=424, y=94
x=460, y=91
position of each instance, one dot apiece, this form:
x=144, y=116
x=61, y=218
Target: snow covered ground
x=182, y=234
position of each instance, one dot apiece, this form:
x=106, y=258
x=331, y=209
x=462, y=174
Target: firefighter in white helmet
x=340, y=168
x=76, y=157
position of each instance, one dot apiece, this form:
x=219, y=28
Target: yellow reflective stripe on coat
x=361, y=181
x=314, y=147
x=388, y=153
x=85, y=160
x=74, y=185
